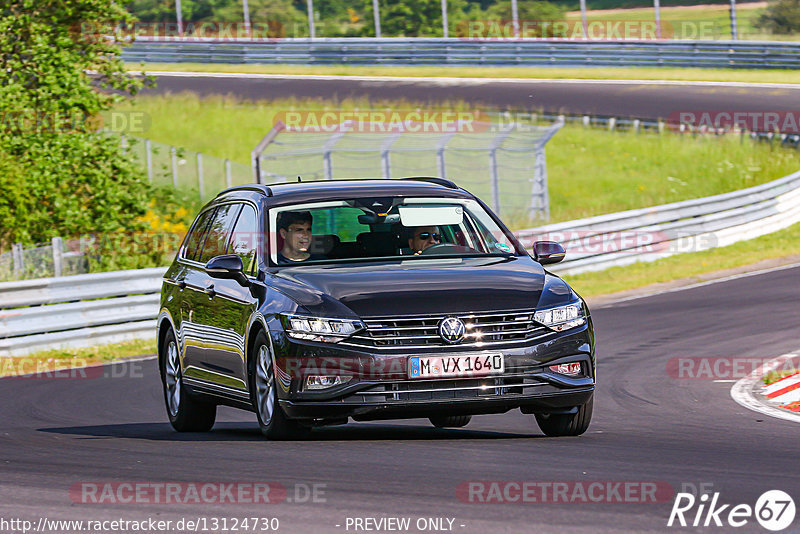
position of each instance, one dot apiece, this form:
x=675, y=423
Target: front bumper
x=380, y=387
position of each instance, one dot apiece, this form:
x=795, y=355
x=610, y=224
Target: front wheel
x=573, y=424
x=185, y=413
x=273, y=422
x=450, y=421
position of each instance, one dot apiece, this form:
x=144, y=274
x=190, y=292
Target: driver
x=423, y=237
x=295, y=229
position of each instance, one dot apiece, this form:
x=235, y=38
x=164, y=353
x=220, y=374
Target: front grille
x=432, y=390
x=423, y=331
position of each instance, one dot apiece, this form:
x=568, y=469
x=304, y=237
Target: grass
x=776, y=245
x=697, y=22
x=590, y=171
x=774, y=376
x=51, y=361
x=789, y=76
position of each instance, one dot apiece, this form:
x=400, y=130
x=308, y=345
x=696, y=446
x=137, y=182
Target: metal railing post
x=18, y=257
x=174, y=157
x=58, y=256
x=377, y=16
x=148, y=156
x=495, y=180
x=200, y=183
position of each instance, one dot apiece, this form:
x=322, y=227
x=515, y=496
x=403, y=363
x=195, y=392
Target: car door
x=235, y=304
x=208, y=343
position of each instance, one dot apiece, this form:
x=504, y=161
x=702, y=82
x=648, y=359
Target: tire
x=450, y=421
x=185, y=413
x=555, y=425
x=273, y=422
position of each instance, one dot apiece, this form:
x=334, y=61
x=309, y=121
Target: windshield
x=384, y=228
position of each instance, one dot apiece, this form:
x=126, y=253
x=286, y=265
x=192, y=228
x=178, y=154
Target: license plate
x=456, y=365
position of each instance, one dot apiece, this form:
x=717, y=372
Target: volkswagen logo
x=452, y=329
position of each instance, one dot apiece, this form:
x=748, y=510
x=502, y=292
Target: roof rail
x=434, y=180
x=250, y=187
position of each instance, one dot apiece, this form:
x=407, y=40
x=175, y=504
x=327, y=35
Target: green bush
x=780, y=17
x=59, y=176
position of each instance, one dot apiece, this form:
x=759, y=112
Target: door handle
x=210, y=291
x=180, y=283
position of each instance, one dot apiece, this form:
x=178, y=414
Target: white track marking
x=742, y=391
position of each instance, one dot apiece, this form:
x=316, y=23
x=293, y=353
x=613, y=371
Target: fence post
x=18, y=257
x=495, y=180
x=174, y=157
x=148, y=155
x=200, y=184
x=228, y=173
x=327, y=166
x=612, y=123
x=123, y=143
x=541, y=198
x=58, y=256
x=636, y=124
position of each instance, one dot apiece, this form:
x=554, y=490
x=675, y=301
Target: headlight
x=561, y=318
x=320, y=329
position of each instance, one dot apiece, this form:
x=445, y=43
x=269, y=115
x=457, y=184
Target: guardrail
x=111, y=307
x=468, y=52
x=81, y=310
x=653, y=233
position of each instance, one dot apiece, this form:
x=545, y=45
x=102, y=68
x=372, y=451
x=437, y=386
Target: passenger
x=423, y=237
x=295, y=229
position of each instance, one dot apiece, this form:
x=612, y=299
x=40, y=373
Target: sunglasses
x=427, y=235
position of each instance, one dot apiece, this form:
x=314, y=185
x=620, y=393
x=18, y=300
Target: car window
x=244, y=240
x=216, y=240
x=197, y=233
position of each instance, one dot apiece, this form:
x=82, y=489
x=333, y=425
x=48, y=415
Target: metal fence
x=56, y=258
x=77, y=311
x=502, y=163
x=466, y=52
x=41, y=314
x=197, y=174
x=650, y=234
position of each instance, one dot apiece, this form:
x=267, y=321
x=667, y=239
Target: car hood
x=433, y=286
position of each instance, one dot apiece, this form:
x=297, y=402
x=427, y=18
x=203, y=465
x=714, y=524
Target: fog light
x=568, y=369
x=324, y=382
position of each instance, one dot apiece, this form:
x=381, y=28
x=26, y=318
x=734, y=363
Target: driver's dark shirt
x=283, y=260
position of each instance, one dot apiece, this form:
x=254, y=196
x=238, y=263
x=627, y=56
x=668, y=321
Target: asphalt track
x=648, y=426
x=646, y=100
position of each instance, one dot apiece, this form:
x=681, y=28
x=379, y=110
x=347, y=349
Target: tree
x=780, y=17
x=78, y=179
x=413, y=18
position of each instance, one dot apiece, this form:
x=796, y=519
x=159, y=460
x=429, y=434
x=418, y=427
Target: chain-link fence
x=192, y=172
x=501, y=163
x=43, y=260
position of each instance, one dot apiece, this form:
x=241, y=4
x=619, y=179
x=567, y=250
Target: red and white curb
x=771, y=400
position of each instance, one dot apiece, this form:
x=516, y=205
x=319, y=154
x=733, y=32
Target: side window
x=197, y=234
x=244, y=241
x=219, y=232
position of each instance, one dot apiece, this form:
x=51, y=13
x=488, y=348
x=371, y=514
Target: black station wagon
x=312, y=303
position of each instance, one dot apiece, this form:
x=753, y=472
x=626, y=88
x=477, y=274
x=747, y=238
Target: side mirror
x=227, y=267
x=546, y=252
